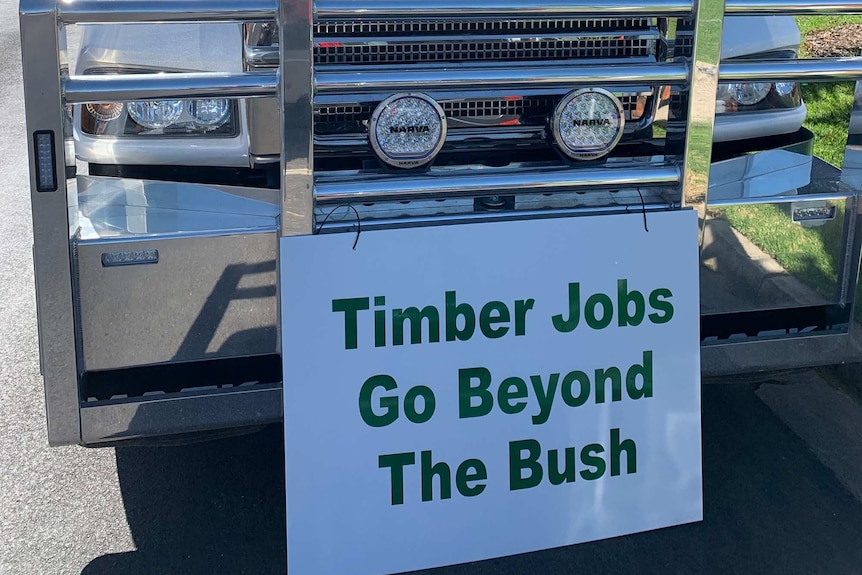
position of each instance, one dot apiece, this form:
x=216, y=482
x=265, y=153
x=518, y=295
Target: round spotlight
x=407, y=130
x=588, y=123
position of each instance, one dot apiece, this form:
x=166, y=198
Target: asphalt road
x=781, y=463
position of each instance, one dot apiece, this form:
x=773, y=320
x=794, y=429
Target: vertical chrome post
x=851, y=174
x=45, y=114
x=703, y=76
x=296, y=91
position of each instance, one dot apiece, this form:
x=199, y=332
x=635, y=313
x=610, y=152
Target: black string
x=643, y=209
x=358, y=222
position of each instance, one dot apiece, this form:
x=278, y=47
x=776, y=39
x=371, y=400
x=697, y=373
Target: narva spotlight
x=407, y=130
x=588, y=123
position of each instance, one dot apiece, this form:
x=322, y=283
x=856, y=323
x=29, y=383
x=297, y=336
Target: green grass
x=828, y=117
x=813, y=23
x=810, y=254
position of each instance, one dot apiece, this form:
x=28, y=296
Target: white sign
x=463, y=392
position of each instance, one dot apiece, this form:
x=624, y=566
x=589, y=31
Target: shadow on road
x=213, y=507
x=770, y=507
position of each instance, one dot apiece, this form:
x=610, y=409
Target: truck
x=179, y=140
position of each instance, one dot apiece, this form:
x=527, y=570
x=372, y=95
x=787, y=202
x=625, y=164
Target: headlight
x=205, y=117
x=745, y=93
x=156, y=114
x=209, y=113
x=756, y=96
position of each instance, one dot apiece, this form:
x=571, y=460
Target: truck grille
x=473, y=26
x=428, y=41
x=368, y=46
x=422, y=42
x=492, y=49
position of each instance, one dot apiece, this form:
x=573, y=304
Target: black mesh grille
x=493, y=50
x=411, y=27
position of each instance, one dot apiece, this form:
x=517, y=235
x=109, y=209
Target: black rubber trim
x=826, y=318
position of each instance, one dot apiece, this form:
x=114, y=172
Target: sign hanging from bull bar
x=457, y=393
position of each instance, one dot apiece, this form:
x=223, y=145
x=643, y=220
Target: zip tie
x=358, y=222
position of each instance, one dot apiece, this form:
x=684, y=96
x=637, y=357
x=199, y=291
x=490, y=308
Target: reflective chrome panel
x=123, y=209
x=756, y=177
x=751, y=248
x=208, y=296
x=208, y=293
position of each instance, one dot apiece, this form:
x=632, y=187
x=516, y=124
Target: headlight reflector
x=156, y=114
x=407, y=130
x=105, y=112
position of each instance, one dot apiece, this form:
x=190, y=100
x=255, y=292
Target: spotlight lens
x=407, y=130
x=588, y=123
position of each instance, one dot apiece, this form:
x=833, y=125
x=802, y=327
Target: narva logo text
x=592, y=122
x=409, y=129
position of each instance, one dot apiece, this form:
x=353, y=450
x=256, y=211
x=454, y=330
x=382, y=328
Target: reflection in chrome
x=297, y=117
x=709, y=19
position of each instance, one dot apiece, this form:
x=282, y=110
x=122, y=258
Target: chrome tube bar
x=126, y=87
x=330, y=193
x=807, y=8
x=495, y=9
x=808, y=70
x=154, y=11
x=521, y=77
x=349, y=224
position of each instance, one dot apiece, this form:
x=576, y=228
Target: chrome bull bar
x=73, y=418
